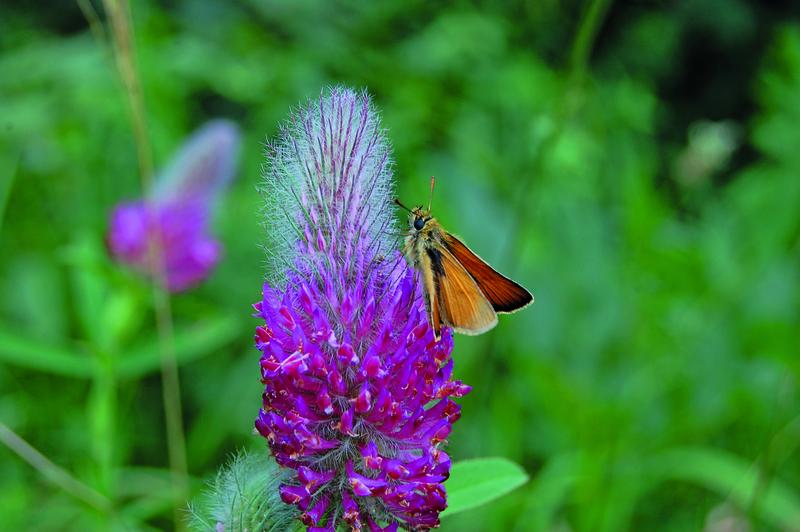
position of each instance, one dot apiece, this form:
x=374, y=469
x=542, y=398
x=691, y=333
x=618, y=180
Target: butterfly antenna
x=397, y=202
x=430, y=198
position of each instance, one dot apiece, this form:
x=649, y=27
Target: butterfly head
x=418, y=218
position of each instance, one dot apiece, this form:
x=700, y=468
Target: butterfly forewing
x=461, y=304
x=504, y=294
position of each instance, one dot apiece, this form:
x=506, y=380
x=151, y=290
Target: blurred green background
x=636, y=165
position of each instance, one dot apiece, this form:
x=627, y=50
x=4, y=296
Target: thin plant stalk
x=51, y=471
x=95, y=24
x=591, y=21
x=580, y=51
x=783, y=443
x=119, y=15
x=6, y=180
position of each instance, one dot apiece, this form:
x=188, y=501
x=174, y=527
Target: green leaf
x=30, y=353
x=480, y=480
x=735, y=479
x=191, y=343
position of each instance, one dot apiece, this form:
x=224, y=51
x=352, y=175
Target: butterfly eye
x=419, y=223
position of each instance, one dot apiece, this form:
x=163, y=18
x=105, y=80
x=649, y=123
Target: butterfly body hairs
x=461, y=290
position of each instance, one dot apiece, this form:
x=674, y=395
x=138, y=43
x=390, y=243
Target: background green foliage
x=644, y=185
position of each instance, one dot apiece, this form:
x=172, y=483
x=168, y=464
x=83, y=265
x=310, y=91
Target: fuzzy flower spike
x=176, y=214
x=358, y=394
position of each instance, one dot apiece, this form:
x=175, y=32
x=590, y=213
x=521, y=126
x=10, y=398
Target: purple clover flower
x=358, y=394
x=176, y=214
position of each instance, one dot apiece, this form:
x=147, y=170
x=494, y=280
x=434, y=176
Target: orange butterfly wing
x=504, y=294
x=457, y=300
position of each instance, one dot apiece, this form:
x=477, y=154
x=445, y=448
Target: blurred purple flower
x=177, y=212
x=357, y=397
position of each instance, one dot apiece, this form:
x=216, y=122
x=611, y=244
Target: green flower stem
x=118, y=13
x=590, y=23
x=102, y=414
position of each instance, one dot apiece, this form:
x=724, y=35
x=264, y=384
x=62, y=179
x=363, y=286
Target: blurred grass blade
x=191, y=343
x=223, y=415
x=26, y=352
x=51, y=471
x=148, y=492
x=548, y=491
x=478, y=481
x=6, y=180
x=734, y=478
x=89, y=288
